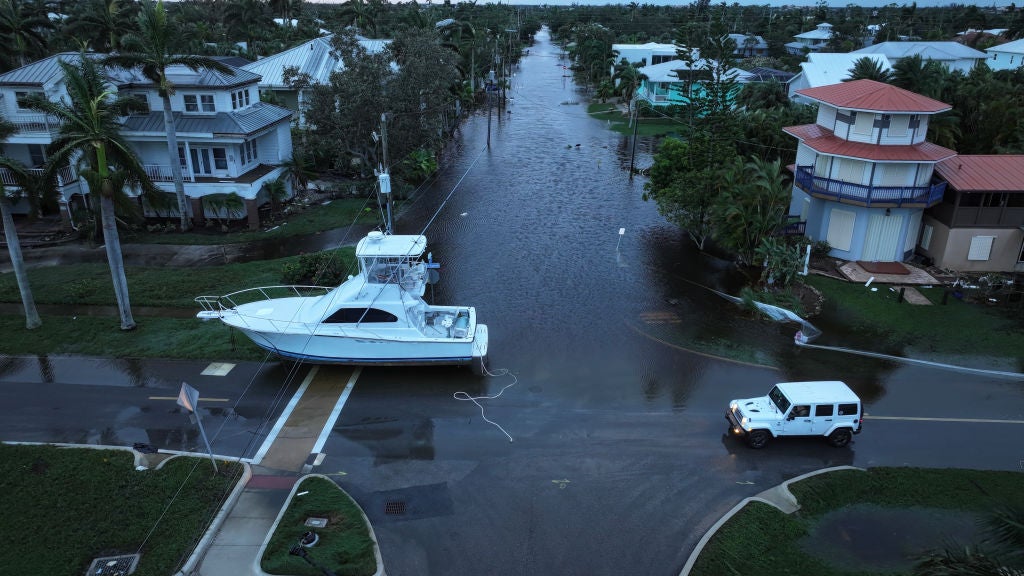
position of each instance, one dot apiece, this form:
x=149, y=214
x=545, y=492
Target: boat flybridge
x=377, y=317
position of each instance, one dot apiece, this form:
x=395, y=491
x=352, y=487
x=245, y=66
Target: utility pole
x=383, y=175
x=636, y=124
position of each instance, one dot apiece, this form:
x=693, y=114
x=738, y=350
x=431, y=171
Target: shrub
x=318, y=269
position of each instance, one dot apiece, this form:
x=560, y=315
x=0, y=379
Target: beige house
x=979, y=225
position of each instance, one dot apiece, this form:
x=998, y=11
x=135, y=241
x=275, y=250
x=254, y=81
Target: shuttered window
x=981, y=247
x=926, y=237
x=840, y=229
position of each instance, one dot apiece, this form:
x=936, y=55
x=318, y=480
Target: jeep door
x=824, y=418
x=799, y=421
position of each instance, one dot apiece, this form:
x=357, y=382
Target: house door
x=202, y=161
x=883, y=241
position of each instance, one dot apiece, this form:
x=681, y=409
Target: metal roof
x=824, y=141
x=941, y=51
x=41, y=71
x=313, y=58
x=1015, y=47
x=825, y=68
x=822, y=31
x=872, y=96
x=238, y=123
x=984, y=173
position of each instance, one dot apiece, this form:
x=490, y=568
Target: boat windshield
x=779, y=399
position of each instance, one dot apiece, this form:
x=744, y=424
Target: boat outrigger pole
x=383, y=176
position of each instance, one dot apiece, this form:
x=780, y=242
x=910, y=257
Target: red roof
x=824, y=141
x=873, y=96
x=995, y=173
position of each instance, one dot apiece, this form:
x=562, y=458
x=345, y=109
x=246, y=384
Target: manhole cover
x=114, y=565
x=394, y=508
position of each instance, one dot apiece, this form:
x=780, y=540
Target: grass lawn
x=925, y=330
x=97, y=504
x=618, y=122
x=345, y=546
x=764, y=541
x=328, y=215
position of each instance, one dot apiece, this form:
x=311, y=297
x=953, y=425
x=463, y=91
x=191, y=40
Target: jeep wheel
x=758, y=438
x=840, y=437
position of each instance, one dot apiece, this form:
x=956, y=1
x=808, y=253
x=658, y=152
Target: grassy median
x=98, y=505
x=762, y=540
x=344, y=546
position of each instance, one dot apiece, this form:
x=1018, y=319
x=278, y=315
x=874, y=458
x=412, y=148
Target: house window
x=898, y=125
x=863, y=123
x=926, y=236
x=181, y=157
x=38, y=155
x=199, y=103
x=981, y=247
x=21, y=97
x=140, y=100
x=239, y=99
x=220, y=159
x=249, y=151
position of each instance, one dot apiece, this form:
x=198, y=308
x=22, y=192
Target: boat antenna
x=384, y=197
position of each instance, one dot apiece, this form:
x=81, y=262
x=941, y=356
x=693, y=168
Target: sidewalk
x=235, y=541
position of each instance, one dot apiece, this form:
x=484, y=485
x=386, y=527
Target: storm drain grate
x=394, y=508
x=114, y=565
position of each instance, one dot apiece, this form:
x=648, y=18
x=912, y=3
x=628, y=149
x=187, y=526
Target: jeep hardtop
x=823, y=408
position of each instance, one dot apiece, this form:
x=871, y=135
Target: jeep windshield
x=779, y=399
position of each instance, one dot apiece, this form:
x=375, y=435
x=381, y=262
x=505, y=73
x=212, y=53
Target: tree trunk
x=32, y=320
x=172, y=155
x=112, y=242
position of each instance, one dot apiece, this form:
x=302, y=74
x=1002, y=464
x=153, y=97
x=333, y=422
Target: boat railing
x=217, y=304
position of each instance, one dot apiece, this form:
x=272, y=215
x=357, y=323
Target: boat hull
x=361, y=351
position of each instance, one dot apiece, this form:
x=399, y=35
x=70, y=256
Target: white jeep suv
x=827, y=408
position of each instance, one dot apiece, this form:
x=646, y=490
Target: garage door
x=883, y=241
x=840, y=229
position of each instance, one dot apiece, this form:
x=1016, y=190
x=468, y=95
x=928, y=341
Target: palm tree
x=90, y=132
x=151, y=52
x=22, y=29
x=101, y=22
x=1001, y=550
x=867, y=69
x=916, y=74
x=20, y=176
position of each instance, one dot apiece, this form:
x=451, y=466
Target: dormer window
x=199, y=103
x=239, y=99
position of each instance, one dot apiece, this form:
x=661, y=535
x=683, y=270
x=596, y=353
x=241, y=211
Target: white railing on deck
x=66, y=175
x=162, y=173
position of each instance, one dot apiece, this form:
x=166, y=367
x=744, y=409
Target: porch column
x=252, y=213
x=66, y=223
x=198, y=216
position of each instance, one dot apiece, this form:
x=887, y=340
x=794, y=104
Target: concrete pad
x=912, y=296
x=243, y=531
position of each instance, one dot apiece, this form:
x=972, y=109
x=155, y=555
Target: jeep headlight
x=744, y=421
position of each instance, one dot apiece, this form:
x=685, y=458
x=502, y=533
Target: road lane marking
x=201, y=399
x=925, y=419
x=218, y=369
x=272, y=435
x=329, y=426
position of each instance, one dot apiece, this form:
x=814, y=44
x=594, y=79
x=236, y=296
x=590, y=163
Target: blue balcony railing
x=889, y=195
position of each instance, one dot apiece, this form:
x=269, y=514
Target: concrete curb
x=214, y=528
x=258, y=571
x=779, y=496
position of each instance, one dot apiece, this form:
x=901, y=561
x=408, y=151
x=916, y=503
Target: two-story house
x=1008, y=56
x=229, y=142
x=811, y=41
x=864, y=170
x=953, y=55
x=677, y=82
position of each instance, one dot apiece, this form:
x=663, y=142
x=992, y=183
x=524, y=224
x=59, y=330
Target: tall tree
x=91, y=130
x=19, y=175
x=23, y=29
x=750, y=206
x=102, y=22
x=150, y=51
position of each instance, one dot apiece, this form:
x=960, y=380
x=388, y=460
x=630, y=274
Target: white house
x=811, y=41
x=229, y=142
x=748, y=45
x=954, y=55
x=1009, y=56
x=825, y=68
x=669, y=83
x=643, y=54
x=313, y=58
x=864, y=170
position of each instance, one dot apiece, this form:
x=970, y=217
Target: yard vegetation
x=98, y=505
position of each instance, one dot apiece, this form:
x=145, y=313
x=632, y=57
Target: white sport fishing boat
x=377, y=317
